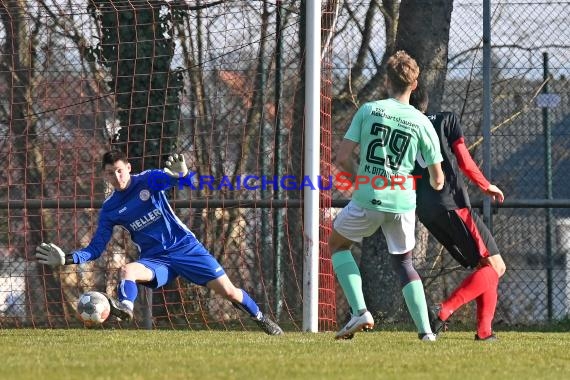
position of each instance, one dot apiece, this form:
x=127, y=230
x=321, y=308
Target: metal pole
x=36, y=204
x=487, y=106
x=266, y=233
x=312, y=168
x=147, y=310
x=277, y=168
x=548, y=180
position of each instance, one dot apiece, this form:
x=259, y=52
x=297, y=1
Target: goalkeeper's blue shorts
x=194, y=264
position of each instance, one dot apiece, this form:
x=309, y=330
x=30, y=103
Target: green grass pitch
x=134, y=354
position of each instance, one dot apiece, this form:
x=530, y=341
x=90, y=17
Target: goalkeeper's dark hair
x=112, y=156
x=419, y=98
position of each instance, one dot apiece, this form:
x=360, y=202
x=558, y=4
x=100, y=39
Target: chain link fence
x=58, y=114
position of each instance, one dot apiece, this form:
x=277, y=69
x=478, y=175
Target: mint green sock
x=417, y=306
x=348, y=276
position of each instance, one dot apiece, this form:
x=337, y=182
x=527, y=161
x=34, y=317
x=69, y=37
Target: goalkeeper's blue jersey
x=143, y=210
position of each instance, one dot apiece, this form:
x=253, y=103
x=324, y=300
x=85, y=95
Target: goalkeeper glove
x=51, y=254
x=176, y=166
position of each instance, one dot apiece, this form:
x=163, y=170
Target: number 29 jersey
x=390, y=134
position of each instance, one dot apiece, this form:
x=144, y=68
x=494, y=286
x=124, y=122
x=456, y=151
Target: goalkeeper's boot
x=437, y=325
x=356, y=323
x=268, y=326
x=490, y=338
x=120, y=311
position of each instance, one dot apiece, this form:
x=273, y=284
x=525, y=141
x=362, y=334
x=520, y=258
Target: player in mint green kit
x=390, y=133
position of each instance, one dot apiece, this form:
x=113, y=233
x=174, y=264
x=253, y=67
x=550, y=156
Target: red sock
x=486, y=305
x=472, y=287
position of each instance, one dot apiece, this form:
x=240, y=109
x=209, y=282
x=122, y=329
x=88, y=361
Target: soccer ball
x=93, y=308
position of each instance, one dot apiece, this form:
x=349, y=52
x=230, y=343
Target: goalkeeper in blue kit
x=167, y=248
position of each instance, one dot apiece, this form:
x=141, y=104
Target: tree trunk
x=137, y=48
x=380, y=284
x=423, y=32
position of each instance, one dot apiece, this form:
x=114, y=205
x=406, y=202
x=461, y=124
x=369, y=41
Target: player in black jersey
x=447, y=214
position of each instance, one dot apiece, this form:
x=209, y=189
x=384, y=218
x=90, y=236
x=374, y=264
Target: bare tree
x=423, y=31
x=19, y=72
x=137, y=47
x=358, y=87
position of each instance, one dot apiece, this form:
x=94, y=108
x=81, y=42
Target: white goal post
x=312, y=167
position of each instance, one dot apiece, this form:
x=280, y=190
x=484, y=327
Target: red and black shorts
x=463, y=233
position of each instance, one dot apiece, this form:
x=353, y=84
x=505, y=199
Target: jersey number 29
x=397, y=142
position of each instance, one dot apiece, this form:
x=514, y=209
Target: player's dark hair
x=112, y=156
x=419, y=98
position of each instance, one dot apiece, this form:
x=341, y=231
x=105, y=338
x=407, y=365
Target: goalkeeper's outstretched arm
x=51, y=254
